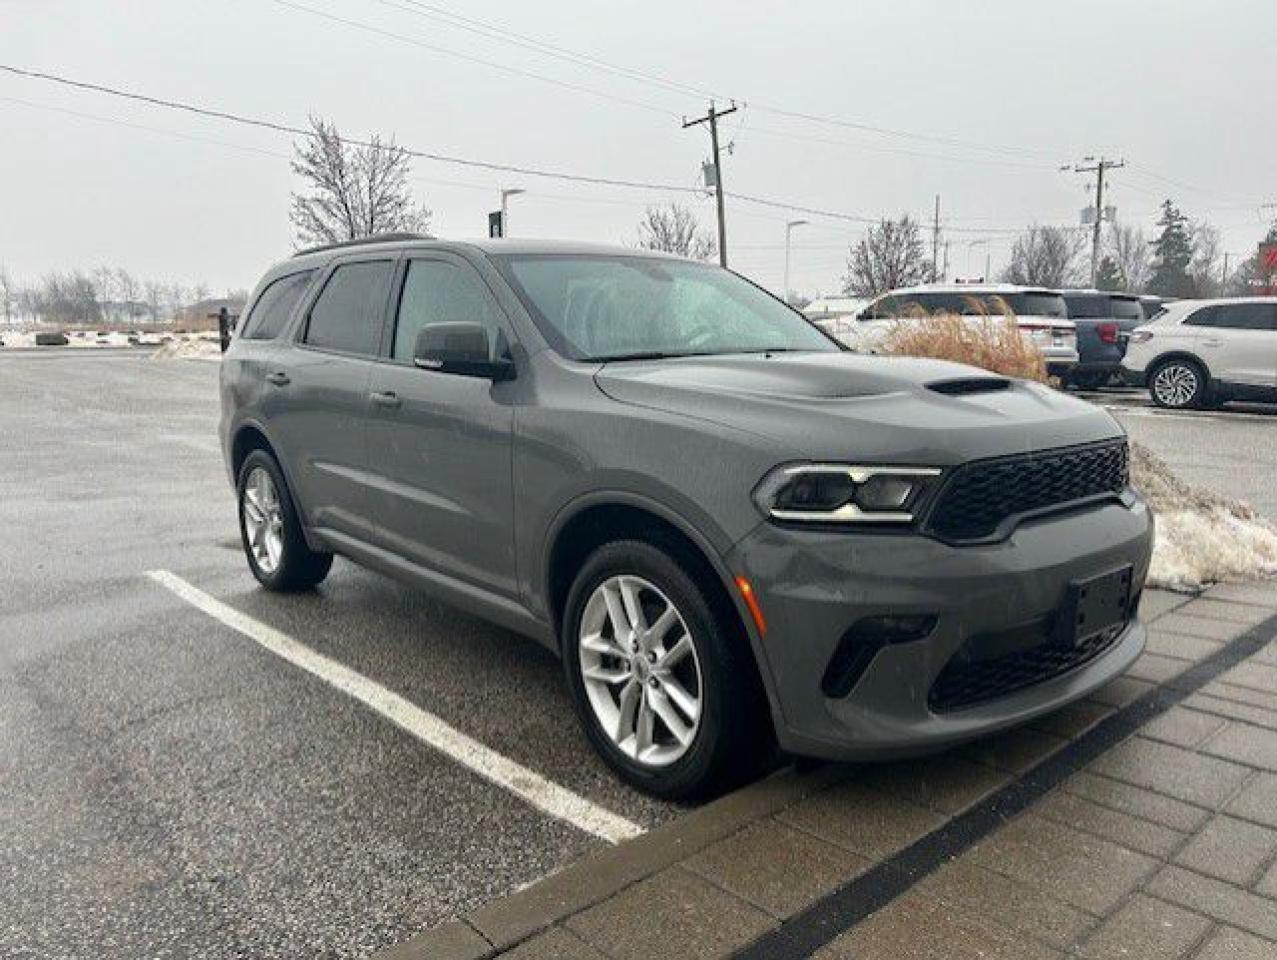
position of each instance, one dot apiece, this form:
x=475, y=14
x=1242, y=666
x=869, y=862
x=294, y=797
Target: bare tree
x=1204, y=269
x=8, y=294
x=153, y=295
x=890, y=255
x=675, y=229
x=1129, y=251
x=130, y=292
x=354, y=190
x=1045, y=257
x=68, y=298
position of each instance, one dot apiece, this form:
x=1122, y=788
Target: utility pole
x=712, y=119
x=789, y=227
x=935, y=241
x=1097, y=167
x=1223, y=283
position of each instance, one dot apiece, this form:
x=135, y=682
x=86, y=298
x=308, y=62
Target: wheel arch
x=251, y=435
x=593, y=521
x=1169, y=355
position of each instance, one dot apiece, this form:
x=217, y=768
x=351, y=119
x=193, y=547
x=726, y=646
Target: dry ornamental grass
x=993, y=343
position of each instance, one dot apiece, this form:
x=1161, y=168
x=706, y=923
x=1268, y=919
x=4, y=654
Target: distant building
x=201, y=311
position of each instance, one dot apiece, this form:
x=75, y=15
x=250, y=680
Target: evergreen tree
x=1172, y=254
x=1109, y=276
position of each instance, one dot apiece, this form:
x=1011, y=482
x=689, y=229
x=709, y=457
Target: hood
x=841, y=406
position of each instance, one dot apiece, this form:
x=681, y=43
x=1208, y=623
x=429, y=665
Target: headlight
x=844, y=493
x=1140, y=336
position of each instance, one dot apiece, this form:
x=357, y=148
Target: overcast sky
x=1181, y=90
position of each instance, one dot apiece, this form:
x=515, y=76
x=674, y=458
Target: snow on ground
x=1202, y=537
x=197, y=347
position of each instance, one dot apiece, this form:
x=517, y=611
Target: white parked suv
x=1041, y=315
x=1206, y=352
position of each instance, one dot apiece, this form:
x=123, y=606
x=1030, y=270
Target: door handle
x=1212, y=342
x=387, y=398
x=278, y=377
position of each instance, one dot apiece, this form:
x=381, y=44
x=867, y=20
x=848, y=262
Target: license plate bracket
x=1094, y=605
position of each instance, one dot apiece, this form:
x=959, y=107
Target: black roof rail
x=362, y=241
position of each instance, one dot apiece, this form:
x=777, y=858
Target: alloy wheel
x=263, y=520
x=1175, y=385
x=640, y=670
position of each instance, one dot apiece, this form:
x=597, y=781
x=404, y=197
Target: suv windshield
x=617, y=307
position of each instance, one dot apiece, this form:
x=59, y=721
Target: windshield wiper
x=649, y=355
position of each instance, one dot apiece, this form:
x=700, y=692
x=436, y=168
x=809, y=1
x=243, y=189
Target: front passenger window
x=436, y=291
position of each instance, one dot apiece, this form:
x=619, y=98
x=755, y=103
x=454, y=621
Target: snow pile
x=195, y=348
x=1202, y=537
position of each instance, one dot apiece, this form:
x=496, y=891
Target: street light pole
x=505, y=217
x=788, y=229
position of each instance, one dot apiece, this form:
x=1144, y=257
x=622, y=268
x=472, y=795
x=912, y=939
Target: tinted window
x=1236, y=316
x=273, y=308
x=1127, y=308
x=601, y=308
x=1087, y=306
x=347, y=315
x=436, y=291
x=1035, y=304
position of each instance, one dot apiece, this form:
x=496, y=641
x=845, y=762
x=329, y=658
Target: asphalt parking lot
x=171, y=786
x=174, y=789
x=1232, y=450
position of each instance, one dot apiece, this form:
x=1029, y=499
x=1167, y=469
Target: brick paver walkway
x=1162, y=844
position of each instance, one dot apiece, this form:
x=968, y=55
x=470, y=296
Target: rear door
x=1238, y=341
x=441, y=443
x=320, y=417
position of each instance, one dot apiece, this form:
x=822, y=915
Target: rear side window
x=1127, y=308
x=1236, y=316
x=436, y=291
x=276, y=304
x=347, y=316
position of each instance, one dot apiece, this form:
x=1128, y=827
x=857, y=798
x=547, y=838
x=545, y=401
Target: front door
x=319, y=417
x=440, y=443
x=1238, y=341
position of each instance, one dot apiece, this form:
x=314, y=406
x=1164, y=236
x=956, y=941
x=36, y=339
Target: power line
x=502, y=34
x=492, y=64
x=293, y=130
x=302, y=132
x=495, y=32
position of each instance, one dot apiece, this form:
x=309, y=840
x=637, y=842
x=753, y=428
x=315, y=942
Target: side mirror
x=460, y=348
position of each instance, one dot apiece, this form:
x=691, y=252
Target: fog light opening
x=861, y=643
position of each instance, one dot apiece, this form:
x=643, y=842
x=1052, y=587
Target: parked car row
x=1081, y=333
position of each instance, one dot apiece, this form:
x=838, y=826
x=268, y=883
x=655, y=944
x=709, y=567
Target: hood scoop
x=966, y=386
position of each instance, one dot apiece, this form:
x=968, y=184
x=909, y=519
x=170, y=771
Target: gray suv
x=736, y=534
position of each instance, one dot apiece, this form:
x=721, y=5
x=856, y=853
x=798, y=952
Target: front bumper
x=814, y=585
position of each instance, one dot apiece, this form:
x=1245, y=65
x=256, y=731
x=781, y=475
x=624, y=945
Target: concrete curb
x=507, y=921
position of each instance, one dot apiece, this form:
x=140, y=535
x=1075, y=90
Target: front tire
x=270, y=529
x=1178, y=384
x=660, y=679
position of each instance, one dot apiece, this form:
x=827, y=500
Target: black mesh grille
x=964, y=682
x=981, y=495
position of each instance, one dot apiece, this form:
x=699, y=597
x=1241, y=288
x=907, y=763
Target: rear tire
x=1178, y=384
x=618, y=675
x=270, y=529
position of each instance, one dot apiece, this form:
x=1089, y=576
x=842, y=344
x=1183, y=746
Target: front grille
x=980, y=496
x=965, y=681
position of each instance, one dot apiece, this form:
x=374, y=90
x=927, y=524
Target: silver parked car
x=735, y=532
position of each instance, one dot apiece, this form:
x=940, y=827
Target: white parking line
x=530, y=786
